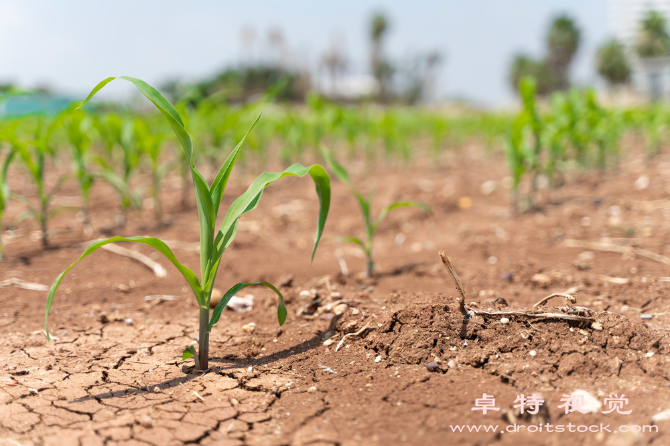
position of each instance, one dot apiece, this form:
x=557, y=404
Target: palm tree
x=562, y=44
x=381, y=69
x=653, y=39
x=524, y=66
x=612, y=63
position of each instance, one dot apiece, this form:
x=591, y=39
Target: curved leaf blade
x=163, y=106
x=155, y=243
x=221, y=180
x=341, y=173
x=249, y=200
x=189, y=352
x=400, y=204
x=355, y=241
x=216, y=314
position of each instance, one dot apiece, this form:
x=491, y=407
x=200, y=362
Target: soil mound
x=522, y=346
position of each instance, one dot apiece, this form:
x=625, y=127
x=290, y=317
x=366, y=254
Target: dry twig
x=567, y=317
x=351, y=334
x=608, y=247
x=457, y=282
x=158, y=269
x=22, y=284
x=568, y=299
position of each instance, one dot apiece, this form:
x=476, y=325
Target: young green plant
x=4, y=191
x=371, y=225
x=34, y=155
x=77, y=126
x=118, y=132
x=151, y=145
x=212, y=243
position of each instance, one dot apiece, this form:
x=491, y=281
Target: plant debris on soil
x=397, y=358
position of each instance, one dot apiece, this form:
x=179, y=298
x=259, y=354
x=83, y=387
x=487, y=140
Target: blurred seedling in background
x=151, y=145
x=120, y=150
x=212, y=244
x=77, y=128
x=34, y=155
x=371, y=225
x=4, y=191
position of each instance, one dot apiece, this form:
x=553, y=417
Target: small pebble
x=532, y=353
x=146, y=421
x=504, y=321
x=432, y=366
x=312, y=389
x=451, y=364
x=340, y=309
x=506, y=277
x=500, y=301
x=378, y=358
x=645, y=316
x=328, y=369
x=649, y=354
x=597, y=326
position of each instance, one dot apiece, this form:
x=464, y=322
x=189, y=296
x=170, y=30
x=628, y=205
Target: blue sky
x=71, y=45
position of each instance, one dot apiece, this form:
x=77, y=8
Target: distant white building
x=352, y=87
x=650, y=77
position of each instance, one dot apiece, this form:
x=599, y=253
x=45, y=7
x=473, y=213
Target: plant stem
x=158, y=214
x=45, y=237
x=203, y=338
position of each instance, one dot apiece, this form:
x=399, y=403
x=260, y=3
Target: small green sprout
x=34, y=155
x=371, y=225
x=4, y=191
x=77, y=126
x=117, y=132
x=151, y=145
x=212, y=243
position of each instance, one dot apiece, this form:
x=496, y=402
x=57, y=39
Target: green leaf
x=155, y=243
x=221, y=180
x=400, y=204
x=249, y=200
x=355, y=241
x=189, y=352
x=216, y=314
x=341, y=173
x=162, y=104
x=206, y=212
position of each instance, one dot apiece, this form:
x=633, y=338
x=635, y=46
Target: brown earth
x=112, y=373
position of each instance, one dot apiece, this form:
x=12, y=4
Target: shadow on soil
x=231, y=364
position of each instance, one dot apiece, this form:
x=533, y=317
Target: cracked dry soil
x=120, y=382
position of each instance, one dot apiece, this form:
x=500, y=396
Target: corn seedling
x=151, y=145
x=212, y=244
x=77, y=127
x=34, y=155
x=4, y=191
x=371, y=225
x=118, y=132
